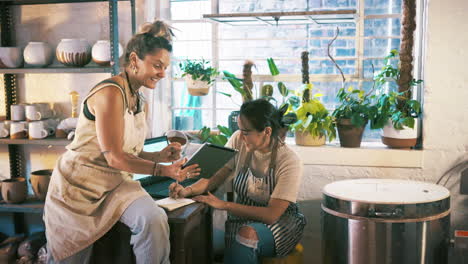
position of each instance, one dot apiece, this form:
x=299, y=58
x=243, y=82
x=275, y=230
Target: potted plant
x=314, y=122
x=397, y=112
x=199, y=76
x=219, y=138
x=354, y=110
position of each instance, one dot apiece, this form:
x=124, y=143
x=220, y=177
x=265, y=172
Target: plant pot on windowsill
x=304, y=138
x=197, y=87
x=400, y=138
x=350, y=136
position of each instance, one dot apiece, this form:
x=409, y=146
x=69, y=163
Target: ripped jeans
x=248, y=251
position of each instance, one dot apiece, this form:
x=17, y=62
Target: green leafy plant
x=396, y=106
x=205, y=135
x=355, y=105
x=312, y=116
x=199, y=70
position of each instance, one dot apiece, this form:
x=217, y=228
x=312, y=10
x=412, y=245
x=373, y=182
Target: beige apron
x=86, y=197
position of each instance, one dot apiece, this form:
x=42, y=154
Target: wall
x=445, y=107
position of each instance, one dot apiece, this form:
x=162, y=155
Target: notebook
x=171, y=204
x=211, y=158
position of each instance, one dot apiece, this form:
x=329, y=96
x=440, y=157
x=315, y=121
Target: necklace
x=134, y=94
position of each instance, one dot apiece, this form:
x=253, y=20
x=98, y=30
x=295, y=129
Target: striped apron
x=287, y=231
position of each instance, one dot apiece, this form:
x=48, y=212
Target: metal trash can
x=383, y=221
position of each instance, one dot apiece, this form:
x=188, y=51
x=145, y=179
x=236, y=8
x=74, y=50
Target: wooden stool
x=114, y=247
x=295, y=257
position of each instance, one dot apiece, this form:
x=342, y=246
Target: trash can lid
x=386, y=198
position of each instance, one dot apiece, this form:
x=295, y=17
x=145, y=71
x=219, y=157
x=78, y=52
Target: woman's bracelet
x=191, y=190
x=156, y=169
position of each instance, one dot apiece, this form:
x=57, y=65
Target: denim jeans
x=247, y=251
x=150, y=235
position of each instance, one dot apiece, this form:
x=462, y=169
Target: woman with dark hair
x=92, y=186
x=264, y=220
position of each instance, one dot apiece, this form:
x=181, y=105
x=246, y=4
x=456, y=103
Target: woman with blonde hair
x=92, y=186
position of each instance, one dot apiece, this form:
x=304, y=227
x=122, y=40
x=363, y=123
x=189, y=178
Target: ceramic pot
x=307, y=139
x=350, y=136
x=40, y=183
x=14, y=190
x=404, y=138
x=73, y=52
x=196, y=87
x=11, y=57
x=38, y=54
x=101, y=53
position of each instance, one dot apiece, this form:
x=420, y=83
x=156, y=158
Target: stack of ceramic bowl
x=101, y=52
x=38, y=54
x=11, y=57
x=73, y=52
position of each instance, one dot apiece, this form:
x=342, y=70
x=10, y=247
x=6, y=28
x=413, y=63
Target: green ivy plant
x=205, y=135
x=395, y=106
x=356, y=105
x=199, y=70
x=312, y=116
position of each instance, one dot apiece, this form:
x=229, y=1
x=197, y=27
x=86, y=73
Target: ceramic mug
x=45, y=109
x=37, y=130
x=18, y=130
x=4, y=129
x=33, y=112
x=40, y=183
x=14, y=190
x=18, y=112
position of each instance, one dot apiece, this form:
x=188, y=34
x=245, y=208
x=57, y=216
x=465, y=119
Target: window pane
x=332, y=4
x=181, y=10
x=192, y=50
x=346, y=30
x=378, y=64
x=328, y=67
x=380, y=47
x=191, y=119
x=373, y=7
x=236, y=6
x=382, y=27
x=260, y=32
x=261, y=49
x=224, y=101
x=192, y=31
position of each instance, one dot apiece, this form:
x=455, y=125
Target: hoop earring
x=134, y=70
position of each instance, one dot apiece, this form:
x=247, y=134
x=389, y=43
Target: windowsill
x=370, y=154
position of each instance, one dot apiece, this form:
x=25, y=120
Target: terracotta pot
x=350, y=136
x=307, y=139
x=11, y=57
x=101, y=53
x=40, y=183
x=73, y=52
x=196, y=87
x=404, y=138
x=14, y=190
x=38, y=54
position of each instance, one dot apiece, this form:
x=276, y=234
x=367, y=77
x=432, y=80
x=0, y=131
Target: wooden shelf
x=31, y=205
x=57, y=69
x=43, y=2
x=47, y=142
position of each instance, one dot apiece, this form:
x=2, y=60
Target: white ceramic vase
x=73, y=52
x=38, y=54
x=101, y=52
x=197, y=87
x=11, y=57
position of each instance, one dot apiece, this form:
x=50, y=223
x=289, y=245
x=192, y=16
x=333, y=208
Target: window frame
x=164, y=93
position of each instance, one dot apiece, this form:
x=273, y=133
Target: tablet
x=210, y=158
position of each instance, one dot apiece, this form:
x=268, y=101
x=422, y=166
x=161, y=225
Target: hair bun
x=157, y=29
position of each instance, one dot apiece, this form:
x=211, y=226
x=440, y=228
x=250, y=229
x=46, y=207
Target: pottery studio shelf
x=57, y=70
x=31, y=205
x=47, y=142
